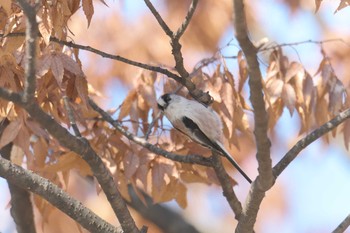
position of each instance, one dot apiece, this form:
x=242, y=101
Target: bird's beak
x=161, y=107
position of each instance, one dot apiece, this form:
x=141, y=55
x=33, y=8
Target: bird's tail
x=232, y=161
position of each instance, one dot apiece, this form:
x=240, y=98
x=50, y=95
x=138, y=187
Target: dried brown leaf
x=45, y=32
x=180, y=197
x=10, y=133
x=274, y=88
x=126, y=105
x=289, y=97
x=57, y=68
x=17, y=155
x=131, y=163
x=342, y=5
x=243, y=70
x=318, y=4
x=88, y=9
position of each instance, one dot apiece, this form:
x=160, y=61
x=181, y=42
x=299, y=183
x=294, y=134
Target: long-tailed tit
x=202, y=124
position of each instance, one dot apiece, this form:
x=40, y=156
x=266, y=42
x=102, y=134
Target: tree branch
x=226, y=185
x=166, y=219
x=118, y=58
x=34, y=183
x=82, y=147
x=177, y=54
x=343, y=225
x=265, y=179
x=187, y=20
x=21, y=204
x=159, y=18
x=307, y=140
x=30, y=52
x=192, y=159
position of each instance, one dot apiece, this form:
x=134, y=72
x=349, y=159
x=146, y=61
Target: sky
x=318, y=181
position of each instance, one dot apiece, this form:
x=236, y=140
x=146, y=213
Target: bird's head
x=164, y=101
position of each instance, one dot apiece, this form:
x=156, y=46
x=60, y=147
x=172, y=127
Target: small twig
x=343, y=225
x=119, y=58
x=150, y=126
x=320, y=42
x=71, y=117
x=187, y=20
x=191, y=159
x=307, y=140
x=226, y=185
x=52, y=193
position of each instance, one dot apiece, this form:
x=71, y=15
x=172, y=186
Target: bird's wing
x=197, y=134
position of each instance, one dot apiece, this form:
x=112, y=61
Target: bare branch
x=10, y=95
x=21, y=204
x=187, y=20
x=165, y=218
x=320, y=42
x=307, y=140
x=265, y=179
x=343, y=225
x=119, y=58
x=226, y=185
x=30, y=52
x=159, y=18
x=34, y=183
x=192, y=159
x=256, y=97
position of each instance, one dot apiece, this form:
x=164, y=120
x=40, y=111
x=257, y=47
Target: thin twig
x=226, y=185
x=32, y=182
x=343, y=225
x=307, y=140
x=187, y=20
x=159, y=18
x=119, y=58
x=320, y=42
x=191, y=159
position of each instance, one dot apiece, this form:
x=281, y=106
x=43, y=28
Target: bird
x=199, y=122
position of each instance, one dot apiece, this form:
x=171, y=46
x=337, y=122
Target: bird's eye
x=166, y=98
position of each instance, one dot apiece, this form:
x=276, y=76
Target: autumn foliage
x=131, y=139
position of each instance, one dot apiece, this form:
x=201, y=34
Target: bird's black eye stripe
x=166, y=98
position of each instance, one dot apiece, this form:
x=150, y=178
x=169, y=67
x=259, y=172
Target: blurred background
x=312, y=194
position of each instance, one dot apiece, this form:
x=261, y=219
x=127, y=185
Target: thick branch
x=34, y=183
x=165, y=218
x=83, y=148
x=226, y=185
x=256, y=97
x=30, y=52
x=192, y=159
x=265, y=178
x=307, y=140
